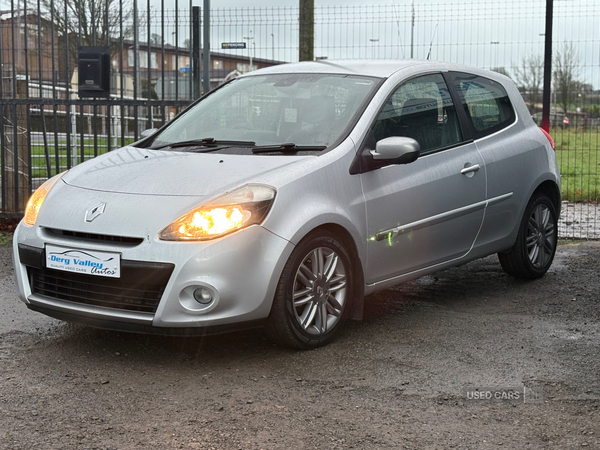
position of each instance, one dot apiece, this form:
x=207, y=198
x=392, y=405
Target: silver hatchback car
x=288, y=194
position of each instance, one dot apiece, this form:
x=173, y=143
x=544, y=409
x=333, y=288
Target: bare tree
x=91, y=22
x=156, y=39
x=501, y=70
x=530, y=78
x=566, y=74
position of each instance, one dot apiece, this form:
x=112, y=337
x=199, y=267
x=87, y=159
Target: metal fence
x=46, y=128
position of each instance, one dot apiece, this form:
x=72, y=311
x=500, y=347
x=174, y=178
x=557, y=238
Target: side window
x=421, y=109
x=485, y=102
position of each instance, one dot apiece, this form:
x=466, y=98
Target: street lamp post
x=373, y=41
x=496, y=44
x=273, y=45
x=250, y=40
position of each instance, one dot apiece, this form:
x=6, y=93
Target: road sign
x=233, y=45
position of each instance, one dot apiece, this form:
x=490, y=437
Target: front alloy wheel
x=319, y=292
x=314, y=293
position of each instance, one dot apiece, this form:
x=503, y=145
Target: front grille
x=140, y=287
x=134, y=291
x=108, y=238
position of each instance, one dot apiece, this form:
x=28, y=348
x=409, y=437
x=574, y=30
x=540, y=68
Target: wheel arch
x=283, y=323
x=346, y=238
x=547, y=186
x=518, y=261
x=552, y=190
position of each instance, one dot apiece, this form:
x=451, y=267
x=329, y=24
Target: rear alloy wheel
x=533, y=253
x=313, y=295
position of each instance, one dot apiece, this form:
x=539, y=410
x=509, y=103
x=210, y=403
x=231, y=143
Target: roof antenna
x=432, y=38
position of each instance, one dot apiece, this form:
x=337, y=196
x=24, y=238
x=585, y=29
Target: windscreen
x=303, y=109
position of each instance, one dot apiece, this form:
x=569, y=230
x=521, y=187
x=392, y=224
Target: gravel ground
x=579, y=221
x=402, y=378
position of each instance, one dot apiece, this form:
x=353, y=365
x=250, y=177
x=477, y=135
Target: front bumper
x=242, y=269
x=109, y=323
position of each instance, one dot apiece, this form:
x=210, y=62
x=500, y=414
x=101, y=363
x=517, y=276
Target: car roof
x=374, y=68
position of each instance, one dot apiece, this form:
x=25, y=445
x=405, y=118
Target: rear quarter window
x=486, y=103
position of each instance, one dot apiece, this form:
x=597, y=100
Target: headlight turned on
x=35, y=201
x=245, y=206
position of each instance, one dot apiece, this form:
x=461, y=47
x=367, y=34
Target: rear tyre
x=314, y=293
x=534, y=250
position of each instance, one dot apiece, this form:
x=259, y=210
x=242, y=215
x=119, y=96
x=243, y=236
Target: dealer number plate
x=91, y=262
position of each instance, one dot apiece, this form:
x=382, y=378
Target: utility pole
x=307, y=30
x=412, y=31
x=206, y=52
x=137, y=85
x=137, y=79
x=196, y=52
x=19, y=45
x=546, y=99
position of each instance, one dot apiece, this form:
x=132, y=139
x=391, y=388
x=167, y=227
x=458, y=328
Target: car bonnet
x=133, y=170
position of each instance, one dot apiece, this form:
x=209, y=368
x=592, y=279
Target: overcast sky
x=259, y=3
x=484, y=33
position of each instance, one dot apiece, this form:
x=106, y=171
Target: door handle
x=470, y=169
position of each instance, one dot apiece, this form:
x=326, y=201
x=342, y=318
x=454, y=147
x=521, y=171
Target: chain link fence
x=151, y=74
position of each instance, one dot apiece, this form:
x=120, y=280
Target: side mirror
x=148, y=132
x=396, y=150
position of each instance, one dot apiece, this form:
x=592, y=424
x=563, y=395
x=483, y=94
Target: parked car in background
x=285, y=196
x=556, y=120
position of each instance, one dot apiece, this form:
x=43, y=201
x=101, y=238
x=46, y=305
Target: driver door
x=431, y=210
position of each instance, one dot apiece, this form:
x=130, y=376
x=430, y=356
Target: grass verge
x=577, y=154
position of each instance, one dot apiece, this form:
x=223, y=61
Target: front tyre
x=533, y=253
x=314, y=293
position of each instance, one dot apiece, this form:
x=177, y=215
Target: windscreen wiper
x=207, y=142
x=288, y=147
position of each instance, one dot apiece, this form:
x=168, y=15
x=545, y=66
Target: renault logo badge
x=94, y=212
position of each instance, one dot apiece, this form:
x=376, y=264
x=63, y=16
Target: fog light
x=199, y=298
x=204, y=296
